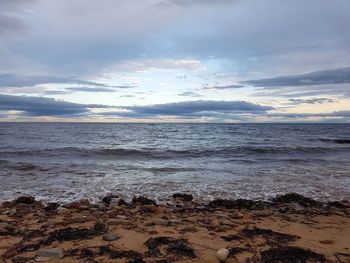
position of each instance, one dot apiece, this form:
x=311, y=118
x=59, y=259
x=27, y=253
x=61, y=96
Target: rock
x=143, y=200
x=110, y=237
x=189, y=229
x=114, y=222
x=222, y=254
x=28, y=200
x=77, y=220
x=51, y=253
x=184, y=197
x=101, y=227
x=107, y=200
x=62, y=211
x=326, y=242
x=161, y=222
x=46, y=225
x=51, y=206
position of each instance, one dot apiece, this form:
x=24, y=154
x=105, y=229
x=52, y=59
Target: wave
x=338, y=141
x=169, y=153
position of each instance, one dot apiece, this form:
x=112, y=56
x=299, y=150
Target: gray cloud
x=332, y=76
x=11, y=80
x=190, y=94
x=10, y=20
x=39, y=106
x=311, y=101
x=232, y=86
x=90, y=89
x=193, y=2
x=197, y=108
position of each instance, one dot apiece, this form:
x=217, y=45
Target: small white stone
x=222, y=254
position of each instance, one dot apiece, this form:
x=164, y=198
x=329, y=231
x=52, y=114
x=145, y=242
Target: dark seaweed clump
x=174, y=246
x=272, y=237
x=69, y=234
x=286, y=254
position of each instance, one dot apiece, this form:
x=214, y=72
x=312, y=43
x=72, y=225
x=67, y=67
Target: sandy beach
x=290, y=228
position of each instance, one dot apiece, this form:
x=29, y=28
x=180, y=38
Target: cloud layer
x=36, y=106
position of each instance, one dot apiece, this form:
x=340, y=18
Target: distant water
x=64, y=162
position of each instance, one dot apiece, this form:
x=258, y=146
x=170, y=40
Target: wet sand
x=290, y=228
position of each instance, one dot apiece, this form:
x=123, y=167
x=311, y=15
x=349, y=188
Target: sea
x=63, y=162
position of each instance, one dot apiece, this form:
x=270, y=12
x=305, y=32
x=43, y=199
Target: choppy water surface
x=64, y=162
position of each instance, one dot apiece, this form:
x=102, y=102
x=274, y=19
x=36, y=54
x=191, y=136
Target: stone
x=222, y=254
x=114, y=222
x=189, y=229
x=101, y=227
x=110, y=237
x=51, y=253
x=62, y=211
x=28, y=200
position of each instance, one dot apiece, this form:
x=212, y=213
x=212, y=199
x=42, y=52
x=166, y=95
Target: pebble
x=62, y=211
x=100, y=227
x=114, y=222
x=110, y=237
x=51, y=253
x=189, y=229
x=222, y=254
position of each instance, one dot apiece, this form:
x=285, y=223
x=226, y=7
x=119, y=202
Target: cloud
x=193, y=2
x=40, y=106
x=11, y=80
x=10, y=21
x=89, y=89
x=189, y=94
x=170, y=64
x=311, y=101
x=197, y=108
x=232, y=86
x=332, y=76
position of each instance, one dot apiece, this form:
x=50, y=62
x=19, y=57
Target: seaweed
x=116, y=253
x=287, y=254
x=295, y=198
x=27, y=200
x=239, y=204
x=175, y=246
x=231, y=238
x=236, y=250
x=69, y=234
x=143, y=200
x=184, y=197
x=272, y=237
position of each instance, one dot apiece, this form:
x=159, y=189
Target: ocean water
x=65, y=162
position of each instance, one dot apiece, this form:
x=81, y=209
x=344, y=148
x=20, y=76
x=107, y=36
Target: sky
x=175, y=60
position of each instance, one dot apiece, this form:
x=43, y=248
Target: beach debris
x=222, y=254
x=296, y=198
x=174, y=246
x=101, y=227
x=110, y=237
x=142, y=200
x=288, y=254
x=183, y=197
x=51, y=253
x=271, y=237
x=69, y=234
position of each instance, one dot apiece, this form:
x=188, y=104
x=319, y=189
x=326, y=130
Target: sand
x=290, y=228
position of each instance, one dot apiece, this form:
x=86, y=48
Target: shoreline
x=289, y=227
